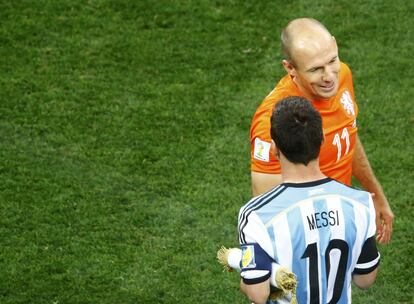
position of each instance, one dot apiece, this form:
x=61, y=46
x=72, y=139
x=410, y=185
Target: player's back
x=317, y=230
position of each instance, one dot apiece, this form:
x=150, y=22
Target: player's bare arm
x=365, y=281
x=263, y=182
x=363, y=172
x=257, y=293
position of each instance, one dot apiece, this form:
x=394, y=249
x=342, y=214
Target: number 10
x=311, y=252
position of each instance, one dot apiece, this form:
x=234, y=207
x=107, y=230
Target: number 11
x=338, y=144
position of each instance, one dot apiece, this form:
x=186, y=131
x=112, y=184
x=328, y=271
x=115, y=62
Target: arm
x=256, y=263
x=263, y=182
x=366, y=268
x=365, y=281
x=257, y=293
x=362, y=170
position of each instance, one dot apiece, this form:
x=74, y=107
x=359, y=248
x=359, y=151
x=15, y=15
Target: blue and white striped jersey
x=323, y=231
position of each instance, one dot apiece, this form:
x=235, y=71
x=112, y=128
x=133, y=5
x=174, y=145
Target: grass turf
x=124, y=129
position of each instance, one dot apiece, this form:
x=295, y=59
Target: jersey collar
x=309, y=184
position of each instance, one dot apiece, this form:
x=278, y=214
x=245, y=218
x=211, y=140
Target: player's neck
x=301, y=89
x=298, y=173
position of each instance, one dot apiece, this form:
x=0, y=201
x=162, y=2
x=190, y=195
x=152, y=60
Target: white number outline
x=337, y=142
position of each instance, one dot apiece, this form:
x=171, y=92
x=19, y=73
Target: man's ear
x=289, y=68
x=274, y=149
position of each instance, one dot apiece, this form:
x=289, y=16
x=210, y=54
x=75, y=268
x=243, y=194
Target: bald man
x=315, y=72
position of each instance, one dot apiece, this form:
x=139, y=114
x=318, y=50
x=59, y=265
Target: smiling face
x=314, y=63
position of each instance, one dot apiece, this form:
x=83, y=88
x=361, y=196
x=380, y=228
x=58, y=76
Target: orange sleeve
x=262, y=158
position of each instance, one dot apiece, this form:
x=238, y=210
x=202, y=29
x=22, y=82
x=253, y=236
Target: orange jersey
x=339, y=127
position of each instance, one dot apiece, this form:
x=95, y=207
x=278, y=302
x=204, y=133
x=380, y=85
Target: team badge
x=347, y=103
x=261, y=149
x=248, y=259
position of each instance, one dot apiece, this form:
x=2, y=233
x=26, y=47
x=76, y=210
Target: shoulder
x=264, y=110
x=362, y=197
x=253, y=217
x=284, y=88
x=345, y=67
x=259, y=202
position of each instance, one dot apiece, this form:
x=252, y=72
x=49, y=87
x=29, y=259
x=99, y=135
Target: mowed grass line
x=125, y=141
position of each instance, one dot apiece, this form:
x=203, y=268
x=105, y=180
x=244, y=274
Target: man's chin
x=326, y=94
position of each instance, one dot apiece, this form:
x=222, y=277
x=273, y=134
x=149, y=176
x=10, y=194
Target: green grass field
x=124, y=135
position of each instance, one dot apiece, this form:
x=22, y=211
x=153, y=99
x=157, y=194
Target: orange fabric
x=339, y=126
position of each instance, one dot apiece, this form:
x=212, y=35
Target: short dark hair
x=296, y=129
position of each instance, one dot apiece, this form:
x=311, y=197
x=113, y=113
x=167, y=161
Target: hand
x=384, y=219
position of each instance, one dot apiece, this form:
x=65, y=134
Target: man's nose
x=328, y=74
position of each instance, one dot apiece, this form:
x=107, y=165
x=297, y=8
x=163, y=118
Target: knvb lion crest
x=347, y=103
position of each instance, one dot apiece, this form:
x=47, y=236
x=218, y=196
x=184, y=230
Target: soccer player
x=322, y=230
x=314, y=71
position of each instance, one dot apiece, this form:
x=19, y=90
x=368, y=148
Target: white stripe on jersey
x=337, y=232
x=349, y=291
x=255, y=232
x=373, y=226
x=283, y=242
x=311, y=236
x=369, y=264
x=360, y=217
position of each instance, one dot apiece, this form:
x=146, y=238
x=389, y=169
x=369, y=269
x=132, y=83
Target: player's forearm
x=365, y=281
x=257, y=293
x=363, y=172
